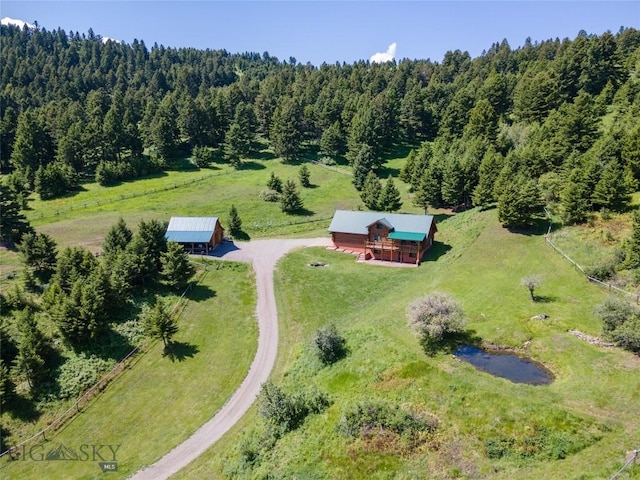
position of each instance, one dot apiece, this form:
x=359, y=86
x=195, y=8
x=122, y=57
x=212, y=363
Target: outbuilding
x=196, y=234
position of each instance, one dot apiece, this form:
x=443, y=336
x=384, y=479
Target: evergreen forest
x=551, y=123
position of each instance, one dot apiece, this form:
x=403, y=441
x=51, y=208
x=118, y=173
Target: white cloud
x=109, y=39
x=17, y=23
x=387, y=56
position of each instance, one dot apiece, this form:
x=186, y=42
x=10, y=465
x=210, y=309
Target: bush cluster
x=285, y=412
x=369, y=416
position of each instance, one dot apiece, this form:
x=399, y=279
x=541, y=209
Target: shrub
x=602, y=271
x=370, y=416
x=270, y=196
x=614, y=312
x=285, y=412
x=435, y=317
x=80, y=373
x=329, y=345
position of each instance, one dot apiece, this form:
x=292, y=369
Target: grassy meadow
x=86, y=216
x=587, y=417
x=579, y=427
x=159, y=401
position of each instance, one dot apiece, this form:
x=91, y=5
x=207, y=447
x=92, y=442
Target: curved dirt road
x=263, y=254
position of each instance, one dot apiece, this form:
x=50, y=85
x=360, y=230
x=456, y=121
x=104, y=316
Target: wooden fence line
x=121, y=197
x=609, y=286
x=100, y=385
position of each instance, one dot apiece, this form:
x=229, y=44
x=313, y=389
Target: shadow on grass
x=200, y=293
x=249, y=165
x=450, y=343
x=386, y=172
x=437, y=250
x=263, y=155
x=21, y=407
x=441, y=217
x=544, y=298
x=302, y=212
x=242, y=236
x=180, y=351
x=537, y=228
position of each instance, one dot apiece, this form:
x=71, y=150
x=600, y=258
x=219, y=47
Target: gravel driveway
x=263, y=255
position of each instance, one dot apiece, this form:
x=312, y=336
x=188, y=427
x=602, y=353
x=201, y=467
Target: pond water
x=505, y=365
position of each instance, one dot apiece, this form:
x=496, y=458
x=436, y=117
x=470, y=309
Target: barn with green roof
x=394, y=237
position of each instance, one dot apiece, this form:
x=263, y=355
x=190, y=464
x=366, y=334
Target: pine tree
x=274, y=183
x=390, y=200
x=177, y=269
x=575, y=198
x=363, y=164
x=159, y=322
x=234, y=223
x=29, y=362
x=332, y=142
x=13, y=223
x=371, y=192
x=117, y=238
x=611, y=189
x=291, y=201
x=304, y=176
x=632, y=246
x=519, y=203
x=39, y=254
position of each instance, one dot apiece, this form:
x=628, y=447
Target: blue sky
x=330, y=31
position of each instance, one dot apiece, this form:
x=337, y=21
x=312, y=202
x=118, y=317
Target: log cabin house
x=196, y=234
x=394, y=237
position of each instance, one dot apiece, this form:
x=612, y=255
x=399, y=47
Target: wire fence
x=110, y=200
x=84, y=401
x=633, y=457
x=592, y=279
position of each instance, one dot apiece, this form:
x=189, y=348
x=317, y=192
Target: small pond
x=505, y=365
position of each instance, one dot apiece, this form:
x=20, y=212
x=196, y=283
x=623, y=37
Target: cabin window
x=376, y=238
x=412, y=254
x=379, y=226
x=376, y=251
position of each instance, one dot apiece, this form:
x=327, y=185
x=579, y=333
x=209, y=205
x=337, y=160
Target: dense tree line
x=561, y=114
x=79, y=298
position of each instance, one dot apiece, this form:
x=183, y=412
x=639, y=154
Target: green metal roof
x=346, y=221
x=413, y=236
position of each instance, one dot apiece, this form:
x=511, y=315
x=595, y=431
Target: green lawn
x=80, y=219
x=589, y=412
x=159, y=402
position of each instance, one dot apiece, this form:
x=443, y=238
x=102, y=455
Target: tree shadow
x=450, y=343
x=180, y=351
x=544, y=298
x=437, y=250
x=200, y=293
x=249, y=165
x=538, y=227
x=386, y=172
x=302, y=212
x=264, y=155
x=21, y=407
x=242, y=236
x=441, y=217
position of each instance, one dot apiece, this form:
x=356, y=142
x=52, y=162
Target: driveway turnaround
x=263, y=255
